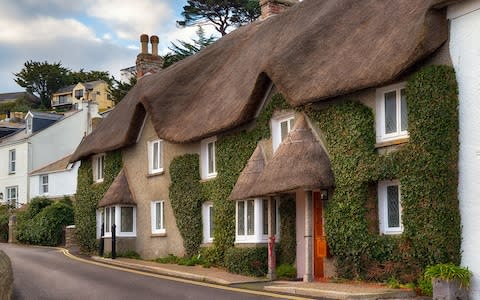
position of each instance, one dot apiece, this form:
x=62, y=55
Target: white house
x=55, y=180
x=465, y=53
x=47, y=138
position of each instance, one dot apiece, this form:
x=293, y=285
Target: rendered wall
x=59, y=183
x=20, y=177
x=465, y=53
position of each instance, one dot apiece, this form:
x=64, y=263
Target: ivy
x=287, y=246
x=87, y=198
x=426, y=168
x=186, y=198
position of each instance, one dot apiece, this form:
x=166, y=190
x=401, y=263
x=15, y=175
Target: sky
x=101, y=35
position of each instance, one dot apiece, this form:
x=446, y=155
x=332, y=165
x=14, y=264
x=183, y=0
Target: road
x=46, y=273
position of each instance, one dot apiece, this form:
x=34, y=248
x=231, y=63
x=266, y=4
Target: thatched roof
x=299, y=162
x=56, y=166
x=118, y=193
x=249, y=175
x=312, y=51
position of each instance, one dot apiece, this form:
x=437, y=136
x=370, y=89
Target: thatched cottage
x=327, y=132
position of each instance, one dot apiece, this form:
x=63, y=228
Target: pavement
x=327, y=290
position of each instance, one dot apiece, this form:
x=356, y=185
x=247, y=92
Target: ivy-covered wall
x=426, y=167
x=89, y=194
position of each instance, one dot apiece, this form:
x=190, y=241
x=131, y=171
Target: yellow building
x=71, y=95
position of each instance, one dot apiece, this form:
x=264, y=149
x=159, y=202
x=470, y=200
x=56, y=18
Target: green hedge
x=247, y=261
x=4, y=216
x=87, y=198
x=43, y=221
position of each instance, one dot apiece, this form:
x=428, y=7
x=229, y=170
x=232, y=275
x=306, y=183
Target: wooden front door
x=319, y=240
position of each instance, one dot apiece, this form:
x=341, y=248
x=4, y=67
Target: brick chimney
x=274, y=7
x=148, y=63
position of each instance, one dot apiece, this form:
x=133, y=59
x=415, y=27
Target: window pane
x=265, y=216
x=241, y=218
x=112, y=215
x=404, y=125
x=158, y=215
x=211, y=157
x=393, y=206
x=250, y=218
x=283, y=130
x=155, y=156
x=107, y=219
x=274, y=218
x=291, y=122
x=391, y=112
x=126, y=219
x=210, y=218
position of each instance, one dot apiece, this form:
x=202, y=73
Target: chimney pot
x=154, y=40
x=144, y=43
x=271, y=8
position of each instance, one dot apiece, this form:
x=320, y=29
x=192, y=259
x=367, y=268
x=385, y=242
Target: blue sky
x=90, y=34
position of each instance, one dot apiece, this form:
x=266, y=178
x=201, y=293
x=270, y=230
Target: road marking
x=205, y=284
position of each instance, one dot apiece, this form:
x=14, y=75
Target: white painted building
x=55, y=180
x=465, y=53
x=47, y=138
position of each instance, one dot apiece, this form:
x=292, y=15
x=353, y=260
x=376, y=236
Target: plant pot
x=448, y=290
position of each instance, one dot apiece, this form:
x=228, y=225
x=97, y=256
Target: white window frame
x=117, y=220
x=207, y=232
x=29, y=124
x=380, y=113
x=44, y=187
x=8, y=195
x=383, y=209
x=257, y=236
x=152, y=169
x=96, y=159
x=204, y=158
x=277, y=130
x=154, y=217
x=12, y=161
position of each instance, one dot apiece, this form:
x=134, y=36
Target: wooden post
x=271, y=239
x=308, y=276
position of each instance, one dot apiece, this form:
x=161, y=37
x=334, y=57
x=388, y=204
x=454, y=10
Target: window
x=280, y=129
x=155, y=150
x=12, y=195
x=392, y=119
x=124, y=217
x=252, y=221
x=43, y=184
x=98, y=167
x=12, y=158
x=158, y=217
x=390, y=207
x=29, y=124
x=208, y=222
x=62, y=99
x=78, y=94
x=208, y=164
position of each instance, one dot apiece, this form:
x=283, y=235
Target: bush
x=286, y=271
x=42, y=224
x=247, y=261
x=4, y=216
x=449, y=272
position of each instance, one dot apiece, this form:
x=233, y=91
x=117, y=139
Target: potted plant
x=449, y=281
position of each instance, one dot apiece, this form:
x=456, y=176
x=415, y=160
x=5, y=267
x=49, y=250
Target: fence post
x=114, y=240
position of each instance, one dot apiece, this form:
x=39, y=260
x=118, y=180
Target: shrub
x=449, y=272
x=170, y=259
x=247, y=261
x=45, y=227
x=4, y=216
x=286, y=271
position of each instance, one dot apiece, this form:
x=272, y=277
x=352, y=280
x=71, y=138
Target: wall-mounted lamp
x=324, y=195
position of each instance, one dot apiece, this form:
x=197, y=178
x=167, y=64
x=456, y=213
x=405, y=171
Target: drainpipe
x=308, y=276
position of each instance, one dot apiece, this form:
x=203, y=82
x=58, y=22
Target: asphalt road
x=46, y=273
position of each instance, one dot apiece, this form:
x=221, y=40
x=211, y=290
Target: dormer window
x=78, y=94
x=29, y=122
x=280, y=128
x=98, y=167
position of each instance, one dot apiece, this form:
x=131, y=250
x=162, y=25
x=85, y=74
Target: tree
x=184, y=49
x=82, y=76
x=42, y=79
x=221, y=13
x=118, y=90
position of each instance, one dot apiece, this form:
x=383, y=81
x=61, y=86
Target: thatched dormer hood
x=313, y=51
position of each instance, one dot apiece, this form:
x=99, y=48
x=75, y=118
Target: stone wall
x=6, y=277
